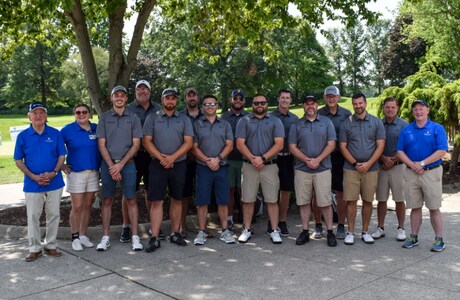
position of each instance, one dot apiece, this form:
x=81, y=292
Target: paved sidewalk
x=256, y=270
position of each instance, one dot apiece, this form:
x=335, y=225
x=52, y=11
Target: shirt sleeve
x=279, y=129
x=100, y=132
x=240, y=131
x=137, y=127
x=292, y=139
x=149, y=125
x=188, y=130
x=228, y=131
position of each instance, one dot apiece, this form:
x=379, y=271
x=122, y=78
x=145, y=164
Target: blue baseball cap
x=422, y=102
x=35, y=105
x=237, y=92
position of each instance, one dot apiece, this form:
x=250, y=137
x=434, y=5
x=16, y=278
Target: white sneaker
x=349, y=239
x=379, y=233
x=245, y=236
x=227, y=237
x=86, y=242
x=104, y=244
x=200, y=238
x=76, y=245
x=401, y=234
x=367, y=238
x=136, y=242
x=275, y=237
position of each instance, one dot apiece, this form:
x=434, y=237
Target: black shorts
x=172, y=179
x=142, y=161
x=286, y=172
x=189, y=178
x=337, y=161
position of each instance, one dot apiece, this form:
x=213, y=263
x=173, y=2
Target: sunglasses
x=81, y=112
x=211, y=104
x=142, y=90
x=238, y=98
x=257, y=103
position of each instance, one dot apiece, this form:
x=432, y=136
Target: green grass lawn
x=8, y=171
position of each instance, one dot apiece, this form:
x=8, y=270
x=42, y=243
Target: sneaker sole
x=411, y=246
x=230, y=242
x=243, y=242
x=125, y=241
x=368, y=242
x=401, y=240
x=352, y=243
x=284, y=234
x=277, y=243
x=101, y=249
x=382, y=236
x=316, y=237
x=438, y=250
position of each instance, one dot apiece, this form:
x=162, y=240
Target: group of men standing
x=234, y=155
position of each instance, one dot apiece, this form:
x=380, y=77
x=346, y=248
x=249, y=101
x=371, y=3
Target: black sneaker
x=283, y=228
x=230, y=225
x=269, y=228
x=303, y=238
x=161, y=236
x=331, y=241
x=177, y=239
x=125, y=236
x=154, y=243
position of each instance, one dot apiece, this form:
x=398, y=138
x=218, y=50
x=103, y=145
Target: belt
x=88, y=171
x=284, y=153
x=429, y=168
x=398, y=163
x=267, y=162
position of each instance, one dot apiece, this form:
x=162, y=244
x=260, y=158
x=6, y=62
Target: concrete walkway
x=256, y=270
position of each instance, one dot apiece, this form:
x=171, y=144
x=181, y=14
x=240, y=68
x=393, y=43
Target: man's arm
x=167, y=161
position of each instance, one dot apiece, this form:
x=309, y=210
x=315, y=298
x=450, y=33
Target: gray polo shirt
x=361, y=137
x=142, y=113
x=212, y=138
x=185, y=112
x=259, y=134
x=119, y=131
x=337, y=118
x=233, y=119
x=168, y=132
x=287, y=120
x=311, y=137
x=392, y=131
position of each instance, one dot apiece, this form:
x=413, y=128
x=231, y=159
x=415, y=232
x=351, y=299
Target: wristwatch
x=422, y=163
x=355, y=164
x=55, y=172
x=263, y=158
x=220, y=157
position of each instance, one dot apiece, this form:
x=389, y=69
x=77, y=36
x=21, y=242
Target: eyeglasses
x=210, y=104
x=257, y=103
x=81, y=112
x=238, y=98
x=142, y=90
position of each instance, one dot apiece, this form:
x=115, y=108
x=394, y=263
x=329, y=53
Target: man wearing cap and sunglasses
x=142, y=107
x=421, y=146
x=168, y=136
x=39, y=153
x=235, y=159
x=260, y=136
x=119, y=134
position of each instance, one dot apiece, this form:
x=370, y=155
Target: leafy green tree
x=33, y=74
x=436, y=21
x=337, y=56
x=354, y=52
x=377, y=41
x=402, y=55
x=215, y=22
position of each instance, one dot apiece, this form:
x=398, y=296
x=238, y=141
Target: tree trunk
x=78, y=21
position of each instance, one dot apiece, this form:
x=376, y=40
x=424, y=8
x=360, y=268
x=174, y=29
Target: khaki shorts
x=308, y=183
x=393, y=180
x=82, y=182
x=356, y=184
x=425, y=188
x=267, y=178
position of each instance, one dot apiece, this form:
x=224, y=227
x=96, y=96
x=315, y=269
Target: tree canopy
x=74, y=23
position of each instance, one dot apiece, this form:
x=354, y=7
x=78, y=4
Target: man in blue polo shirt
x=421, y=146
x=39, y=154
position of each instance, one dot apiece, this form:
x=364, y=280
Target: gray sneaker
x=227, y=237
x=318, y=233
x=340, y=235
x=200, y=238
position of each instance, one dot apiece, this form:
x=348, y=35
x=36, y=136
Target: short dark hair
x=209, y=96
x=390, y=99
x=359, y=95
x=259, y=95
x=284, y=91
x=82, y=105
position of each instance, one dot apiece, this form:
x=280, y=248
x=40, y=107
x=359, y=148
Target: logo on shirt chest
x=49, y=140
x=427, y=133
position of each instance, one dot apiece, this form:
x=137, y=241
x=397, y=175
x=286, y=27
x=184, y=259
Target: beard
x=260, y=111
x=169, y=107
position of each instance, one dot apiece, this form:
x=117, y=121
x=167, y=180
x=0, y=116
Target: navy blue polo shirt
x=82, y=147
x=233, y=119
x=40, y=153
